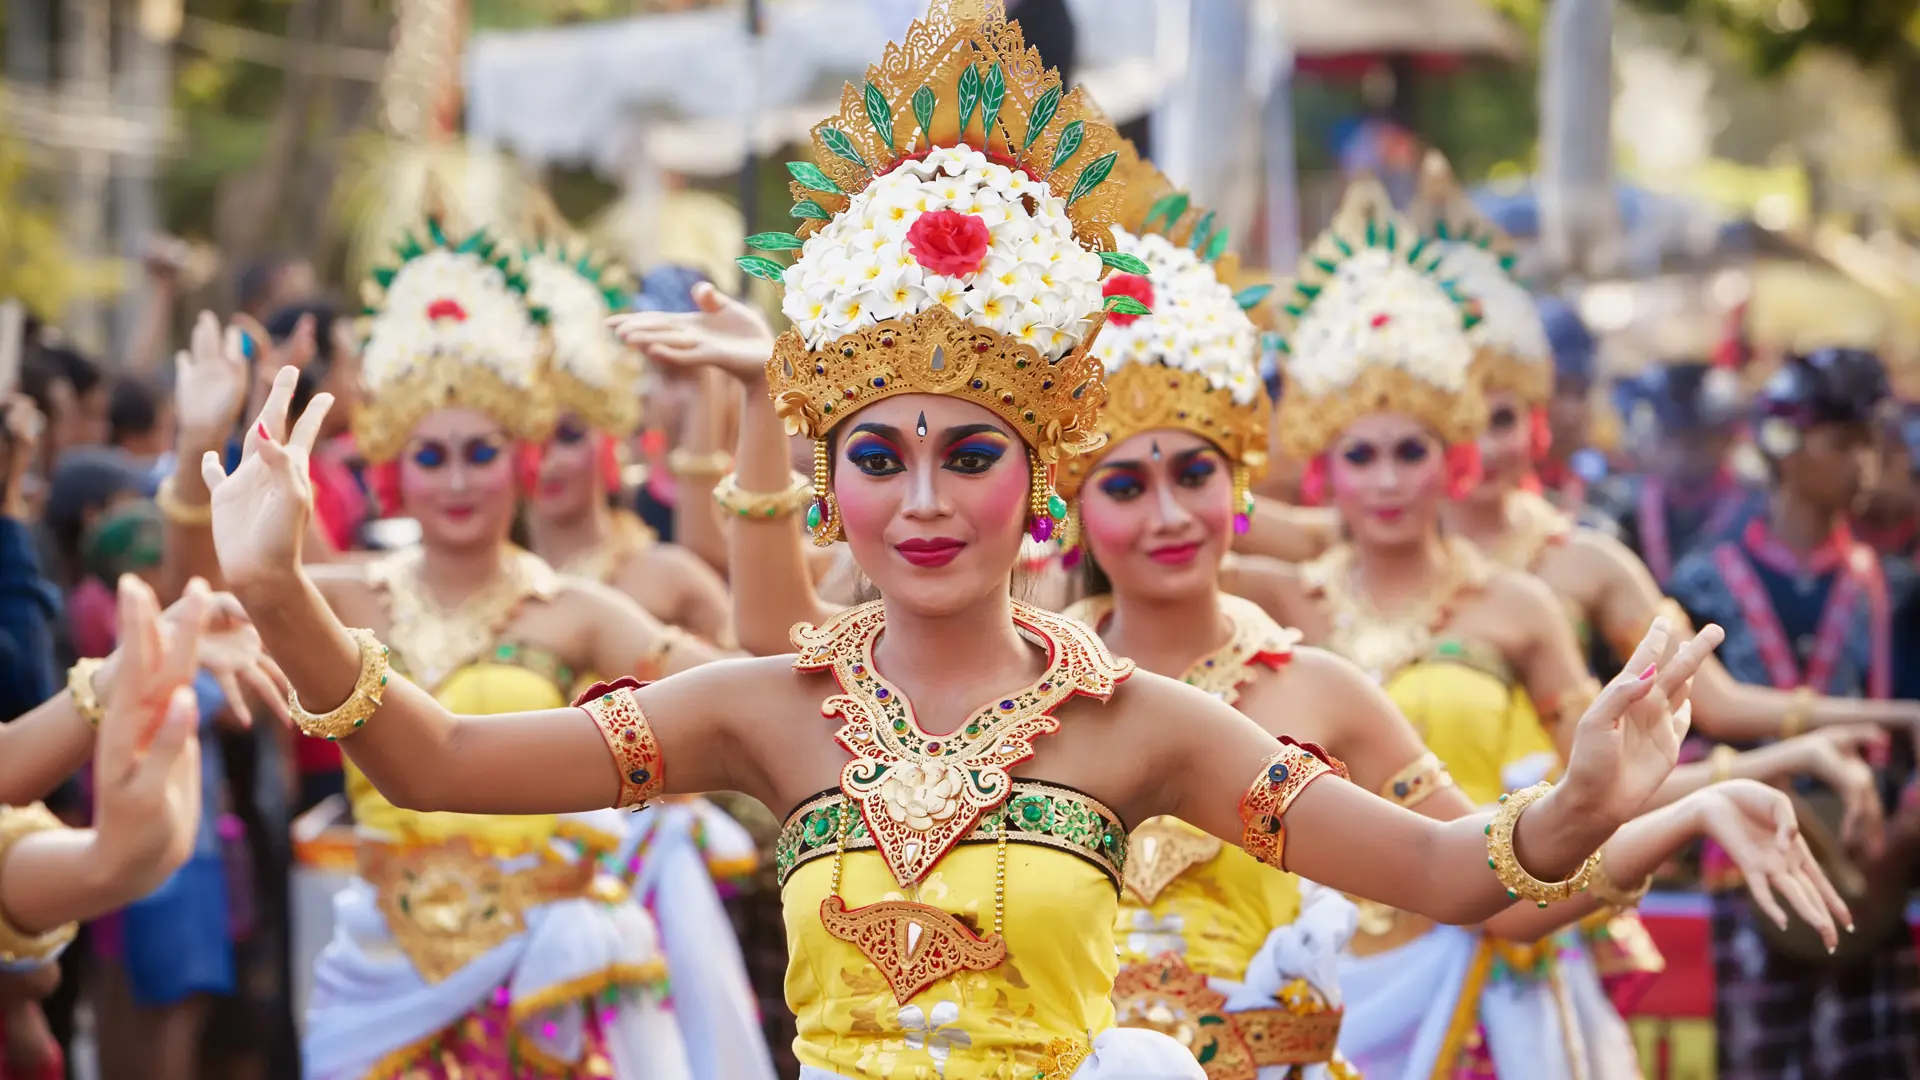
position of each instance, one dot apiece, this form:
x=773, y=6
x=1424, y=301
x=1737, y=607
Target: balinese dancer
x=574, y=521
x=1212, y=950
x=471, y=942
x=1812, y=611
x=950, y=869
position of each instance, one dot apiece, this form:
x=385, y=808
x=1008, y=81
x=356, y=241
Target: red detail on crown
x=446, y=308
x=1127, y=285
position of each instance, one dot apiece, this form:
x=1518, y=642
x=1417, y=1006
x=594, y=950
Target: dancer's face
x=569, y=479
x=933, y=492
x=1157, y=514
x=1506, y=447
x=456, y=479
x=1388, y=477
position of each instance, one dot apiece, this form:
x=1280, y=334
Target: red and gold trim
x=1263, y=809
x=636, y=752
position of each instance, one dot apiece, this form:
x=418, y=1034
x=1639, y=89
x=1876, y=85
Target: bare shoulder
x=1312, y=697
x=346, y=586
x=1602, y=552
x=1277, y=586
x=589, y=598
x=668, y=564
x=1522, y=593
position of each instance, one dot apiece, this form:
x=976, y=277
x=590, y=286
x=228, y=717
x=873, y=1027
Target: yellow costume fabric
x=1216, y=912
x=1467, y=710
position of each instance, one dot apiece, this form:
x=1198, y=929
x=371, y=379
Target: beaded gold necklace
x=1383, y=644
x=433, y=641
x=919, y=794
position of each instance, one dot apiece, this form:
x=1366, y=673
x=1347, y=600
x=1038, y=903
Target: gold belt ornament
x=1383, y=928
x=1165, y=995
x=447, y=904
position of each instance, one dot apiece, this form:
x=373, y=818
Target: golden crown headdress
x=447, y=324
x=1509, y=342
x=953, y=235
x=592, y=372
x=1370, y=326
x=1193, y=364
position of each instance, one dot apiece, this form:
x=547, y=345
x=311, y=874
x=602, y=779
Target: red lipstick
x=933, y=553
x=1175, y=554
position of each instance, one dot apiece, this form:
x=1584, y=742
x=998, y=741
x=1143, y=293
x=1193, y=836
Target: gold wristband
x=178, y=512
x=1612, y=895
x=1506, y=865
x=1722, y=761
x=1412, y=785
x=762, y=505
x=688, y=465
x=1795, y=720
x=352, y=714
x=17, y=946
x=86, y=696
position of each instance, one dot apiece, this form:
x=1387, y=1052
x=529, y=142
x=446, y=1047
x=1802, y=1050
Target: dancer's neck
x=1166, y=634
x=1397, y=576
x=930, y=655
x=452, y=574
x=560, y=539
x=1485, y=516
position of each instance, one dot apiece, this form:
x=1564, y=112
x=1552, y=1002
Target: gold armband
x=689, y=465
x=352, y=714
x=1722, y=761
x=1263, y=808
x=636, y=753
x=1795, y=720
x=178, y=512
x=1506, y=865
x=17, y=947
x=1412, y=785
x=761, y=505
x=86, y=696
x=1603, y=888
x=1573, y=704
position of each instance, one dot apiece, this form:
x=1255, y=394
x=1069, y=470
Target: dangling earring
x=1046, y=503
x=1242, y=500
x=823, y=517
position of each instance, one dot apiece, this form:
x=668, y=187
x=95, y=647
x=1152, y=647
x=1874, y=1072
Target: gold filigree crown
x=1510, y=341
x=952, y=238
x=593, y=373
x=1193, y=363
x=1371, y=326
x=447, y=324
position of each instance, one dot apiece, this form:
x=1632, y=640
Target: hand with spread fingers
x=1756, y=826
x=209, y=384
x=1628, y=740
x=231, y=652
x=261, y=511
x=1834, y=757
x=724, y=334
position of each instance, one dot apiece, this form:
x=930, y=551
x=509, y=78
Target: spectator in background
x=140, y=423
x=29, y=603
x=315, y=337
x=86, y=423
x=268, y=284
x=87, y=482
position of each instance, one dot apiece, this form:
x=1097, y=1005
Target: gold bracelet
x=17, y=946
x=1722, y=761
x=1506, y=865
x=636, y=752
x=1612, y=895
x=178, y=512
x=688, y=465
x=1795, y=720
x=352, y=714
x=1412, y=785
x=762, y=505
x=86, y=696
x=1263, y=809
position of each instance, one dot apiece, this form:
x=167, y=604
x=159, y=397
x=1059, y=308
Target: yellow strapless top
x=478, y=689
x=1064, y=853
x=1191, y=894
x=1469, y=712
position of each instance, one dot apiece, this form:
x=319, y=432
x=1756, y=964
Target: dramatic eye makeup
x=1197, y=469
x=1503, y=418
x=430, y=454
x=570, y=432
x=975, y=449
x=872, y=452
x=1120, y=483
x=481, y=451
x=1409, y=451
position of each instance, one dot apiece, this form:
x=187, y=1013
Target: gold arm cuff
x=762, y=505
x=1603, y=888
x=1263, y=809
x=1506, y=865
x=353, y=713
x=86, y=696
x=1795, y=720
x=636, y=752
x=178, y=512
x=688, y=465
x=16, y=946
x=1722, y=761
x=1414, y=784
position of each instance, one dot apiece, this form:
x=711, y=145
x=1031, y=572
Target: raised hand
x=724, y=334
x=1757, y=827
x=1833, y=757
x=210, y=381
x=147, y=798
x=261, y=512
x=230, y=651
x=1629, y=738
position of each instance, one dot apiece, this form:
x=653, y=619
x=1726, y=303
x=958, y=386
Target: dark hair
x=256, y=281
x=37, y=378
x=133, y=409
x=85, y=480
x=82, y=373
x=279, y=326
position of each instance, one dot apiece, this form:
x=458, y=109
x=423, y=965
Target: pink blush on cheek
x=866, y=505
x=995, y=502
x=1106, y=528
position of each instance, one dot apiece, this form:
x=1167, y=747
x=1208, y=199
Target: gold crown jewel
x=1509, y=342
x=593, y=373
x=1371, y=326
x=1192, y=363
x=447, y=324
x=952, y=239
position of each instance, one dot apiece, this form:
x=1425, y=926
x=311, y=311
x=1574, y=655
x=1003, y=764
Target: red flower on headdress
x=446, y=308
x=1127, y=285
x=949, y=242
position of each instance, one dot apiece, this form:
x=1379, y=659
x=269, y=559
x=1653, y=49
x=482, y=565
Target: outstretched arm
x=1289, y=533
